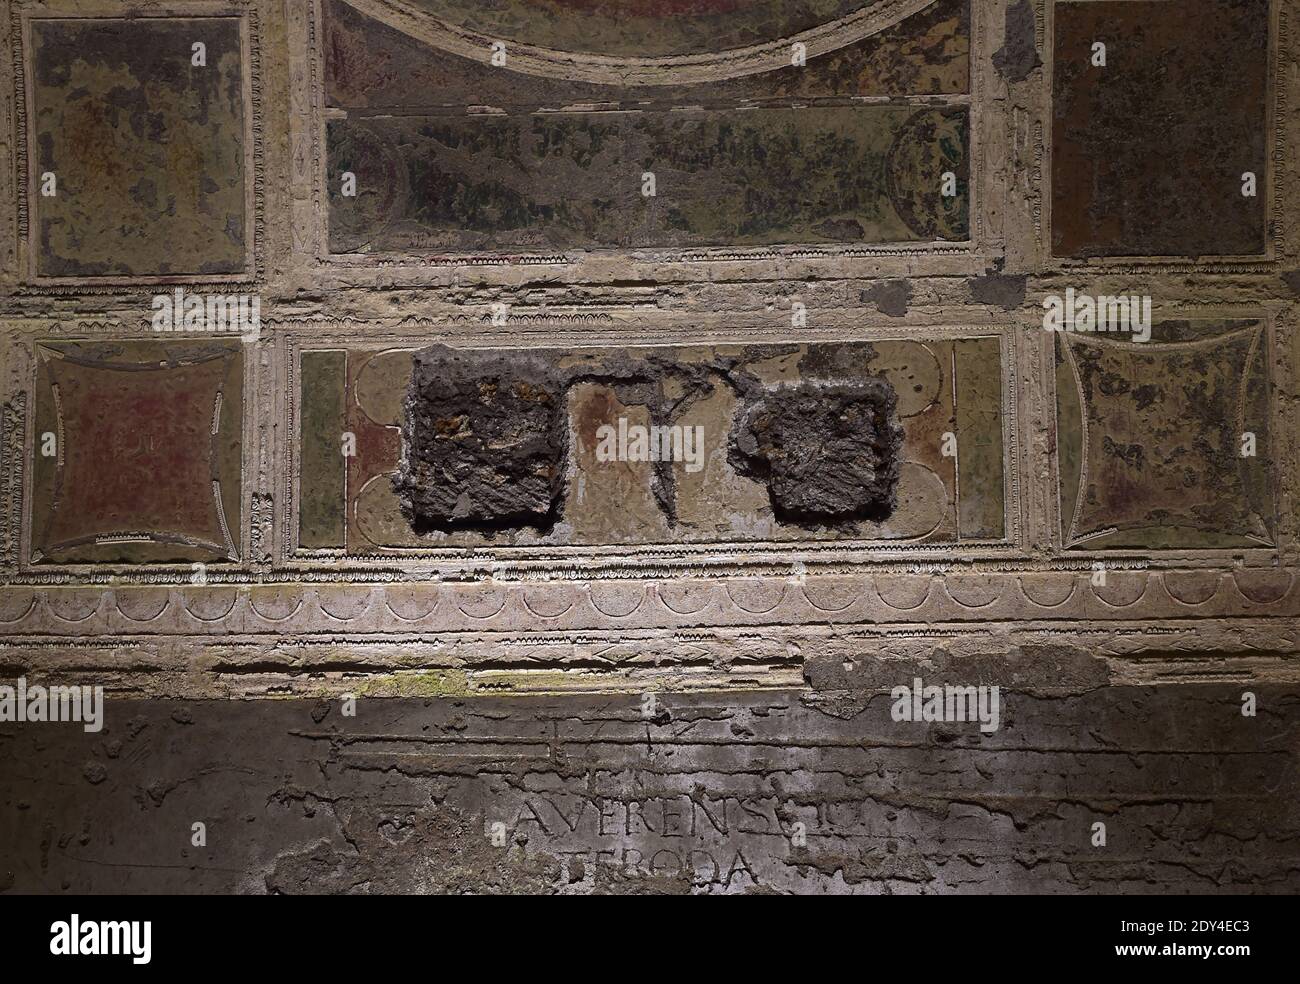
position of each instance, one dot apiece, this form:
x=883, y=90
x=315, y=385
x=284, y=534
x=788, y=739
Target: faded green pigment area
x=981, y=505
x=320, y=518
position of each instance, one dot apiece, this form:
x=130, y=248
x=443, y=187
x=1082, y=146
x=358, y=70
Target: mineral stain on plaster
x=1002, y=290
x=890, y=297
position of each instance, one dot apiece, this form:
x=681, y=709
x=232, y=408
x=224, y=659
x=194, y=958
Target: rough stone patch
x=827, y=454
x=485, y=442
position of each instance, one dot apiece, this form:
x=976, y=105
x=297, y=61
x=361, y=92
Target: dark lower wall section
x=768, y=791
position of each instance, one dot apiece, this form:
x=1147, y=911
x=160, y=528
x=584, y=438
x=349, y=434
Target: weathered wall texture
x=727, y=793
x=812, y=243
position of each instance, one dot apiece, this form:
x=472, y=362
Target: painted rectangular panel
x=779, y=442
x=145, y=148
x=322, y=475
x=1149, y=150
x=755, y=177
x=977, y=365
x=371, y=66
x=554, y=148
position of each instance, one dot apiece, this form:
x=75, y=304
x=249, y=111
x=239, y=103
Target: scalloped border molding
x=897, y=604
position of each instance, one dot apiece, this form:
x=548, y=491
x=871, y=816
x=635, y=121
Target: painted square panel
x=137, y=455
x=1165, y=444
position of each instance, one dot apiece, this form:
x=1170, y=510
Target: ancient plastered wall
x=743, y=610
x=695, y=706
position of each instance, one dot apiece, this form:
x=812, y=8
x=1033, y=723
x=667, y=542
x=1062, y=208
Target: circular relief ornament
x=932, y=143
x=381, y=186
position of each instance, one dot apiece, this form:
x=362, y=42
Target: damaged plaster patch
x=827, y=454
x=484, y=443
x=1018, y=56
x=891, y=297
x=486, y=436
